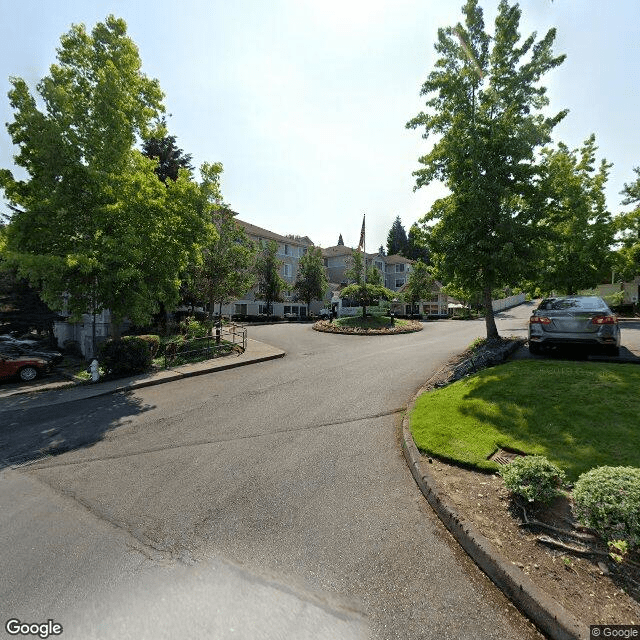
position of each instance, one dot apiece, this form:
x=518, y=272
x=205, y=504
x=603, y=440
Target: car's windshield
x=590, y=303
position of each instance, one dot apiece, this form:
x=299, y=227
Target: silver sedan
x=574, y=320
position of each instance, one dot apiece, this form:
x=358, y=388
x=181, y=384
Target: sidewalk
x=43, y=393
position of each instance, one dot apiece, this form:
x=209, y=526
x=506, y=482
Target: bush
x=130, y=354
x=607, y=499
x=154, y=343
x=72, y=348
x=193, y=328
x=533, y=478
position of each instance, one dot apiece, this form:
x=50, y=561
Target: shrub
x=533, y=478
x=607, y=499
x=154, y=343
x=193, y=328
x=72, y=348
x=130, y=354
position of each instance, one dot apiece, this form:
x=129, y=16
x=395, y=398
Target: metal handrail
x=226, y=338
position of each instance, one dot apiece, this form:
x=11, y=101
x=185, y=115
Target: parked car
x=18, y=349
x=25, y=367
x=7, y=339
x=574, y=320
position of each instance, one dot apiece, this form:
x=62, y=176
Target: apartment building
x=290, y=249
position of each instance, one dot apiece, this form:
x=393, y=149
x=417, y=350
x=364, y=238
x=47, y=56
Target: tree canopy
x=92, y=219
x=484, y=109
x=396, y=238
x=311, y=280
x=170, y=158
x=419, y=284
x=227, y=268
x=271, y=285
x=577, y=227
x=364, y=293
x=627, y=225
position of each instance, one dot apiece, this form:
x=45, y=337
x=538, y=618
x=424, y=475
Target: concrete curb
x=166, y=375
x=179, y=375
x=537, y=605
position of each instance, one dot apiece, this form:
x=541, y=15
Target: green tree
x=374, y=276
x=267, y=269
x=416, y=248
x=311, y=281
x=484, y=110
x=577, y=225
x=363, y=292
x=92, y=220
x=627, y=225
x=227, y=269
x=170, y=158
x=396, y=238
x=419, y=284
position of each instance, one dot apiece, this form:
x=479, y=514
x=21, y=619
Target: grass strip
x=580, y=415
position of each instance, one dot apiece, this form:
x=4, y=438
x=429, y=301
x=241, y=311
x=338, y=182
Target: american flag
x=361, y=245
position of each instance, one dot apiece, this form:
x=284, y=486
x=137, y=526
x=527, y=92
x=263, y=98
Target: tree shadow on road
x=29, y=434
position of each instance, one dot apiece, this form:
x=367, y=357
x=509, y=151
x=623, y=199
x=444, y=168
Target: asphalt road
x=270, y=501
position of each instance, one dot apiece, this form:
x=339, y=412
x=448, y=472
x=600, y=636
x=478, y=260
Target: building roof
x=259, y=232
x=338, y=250
x=341, y=250
x=397, y=259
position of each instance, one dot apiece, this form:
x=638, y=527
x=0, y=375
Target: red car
x=24, y=366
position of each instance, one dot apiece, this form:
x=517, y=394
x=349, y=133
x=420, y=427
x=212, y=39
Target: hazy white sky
x=305, y=101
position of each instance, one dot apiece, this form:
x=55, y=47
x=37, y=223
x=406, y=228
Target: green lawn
x=370, y=322
x=580, y=415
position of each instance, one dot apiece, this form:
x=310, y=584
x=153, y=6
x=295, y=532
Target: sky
x=305, y=102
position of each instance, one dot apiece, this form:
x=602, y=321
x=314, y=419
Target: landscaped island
x=371, y=325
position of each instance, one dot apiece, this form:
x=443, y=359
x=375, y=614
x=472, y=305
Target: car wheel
x=27, y=374
x=534, y=347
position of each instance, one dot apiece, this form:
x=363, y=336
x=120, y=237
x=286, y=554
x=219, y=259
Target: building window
x=287, y=250
x=400, y=268
x=286, y=270
x=399, y=282
x=379, y=266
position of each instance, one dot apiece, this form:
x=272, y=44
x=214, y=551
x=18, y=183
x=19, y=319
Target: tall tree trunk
x=490, y=321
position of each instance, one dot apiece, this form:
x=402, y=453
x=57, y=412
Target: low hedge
x=128, y=355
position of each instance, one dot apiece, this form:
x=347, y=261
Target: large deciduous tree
x=577, y=225
x=311, y=281
x=484, y=110
x=91, y=219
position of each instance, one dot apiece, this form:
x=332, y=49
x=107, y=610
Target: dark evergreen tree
x=396, y=238
x=170, y=158
x=340, y=241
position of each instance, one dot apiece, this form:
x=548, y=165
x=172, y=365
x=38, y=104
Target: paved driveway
x=269, y=501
